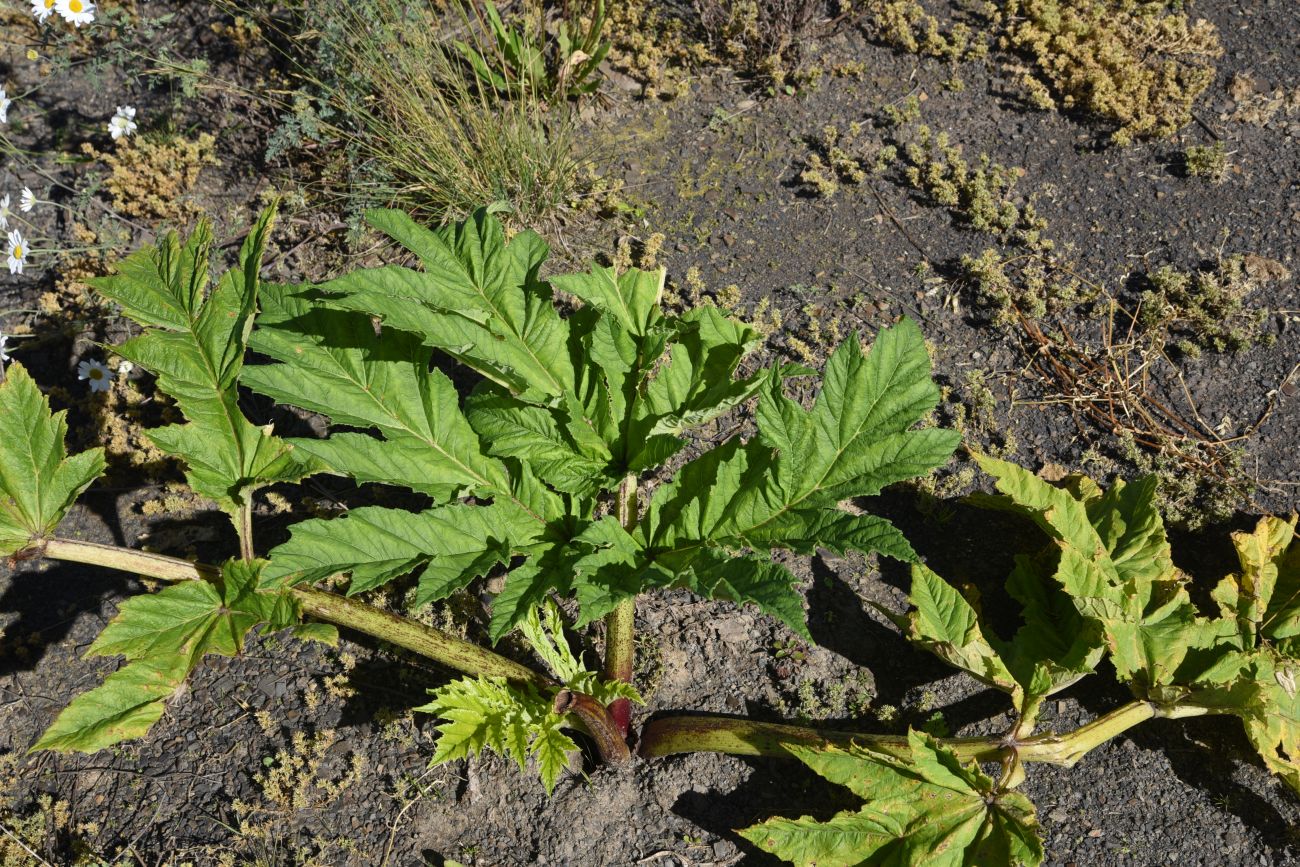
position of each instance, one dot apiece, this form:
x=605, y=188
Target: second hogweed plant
x=543, y=466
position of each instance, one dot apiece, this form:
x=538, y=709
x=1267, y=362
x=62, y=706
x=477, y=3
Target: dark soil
x=717, y=173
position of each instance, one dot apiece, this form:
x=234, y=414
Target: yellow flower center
x=75, y=5
x=49, y=4
x=95, y=372
x=18, y=251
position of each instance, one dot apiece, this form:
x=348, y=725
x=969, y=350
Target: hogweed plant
x=549, y=475
x=540, y=472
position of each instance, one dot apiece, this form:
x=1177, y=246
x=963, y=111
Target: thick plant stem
x=620, y=634
x=741, y=737
x=445, y=649
x=157, y=566
x=610, y=742
x=684, y=734
x=245, y=528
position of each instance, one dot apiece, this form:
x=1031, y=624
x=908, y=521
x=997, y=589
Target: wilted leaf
x=927, y=810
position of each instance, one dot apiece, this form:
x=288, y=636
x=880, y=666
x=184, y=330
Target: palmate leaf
x=783, y=488
x=163, y=636
x=930, y=810
x=1052, y=650
x=194, y=343
x=478, y=298
x=333, y=362
x=38, y=481
x=854, y=442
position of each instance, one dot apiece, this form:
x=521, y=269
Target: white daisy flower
x=76, y=12
x=4, y=356
x=5, y=213
x=123, y=122
x=96, y=374
x=17, y=252
x=42, y=9
x=5, y=102
x=27, y=201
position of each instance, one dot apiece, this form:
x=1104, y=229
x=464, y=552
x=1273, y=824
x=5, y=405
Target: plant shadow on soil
x=43, y=607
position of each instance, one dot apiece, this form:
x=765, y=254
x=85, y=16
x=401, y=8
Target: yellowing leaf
x=944, y=623
x=1115, y=565
x=928, y=809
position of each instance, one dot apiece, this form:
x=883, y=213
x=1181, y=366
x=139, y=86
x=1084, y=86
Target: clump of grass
x=1135, y=63
x=418, y=130
x=1203, y=310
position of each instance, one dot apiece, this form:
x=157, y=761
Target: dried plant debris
x=1138, y=64
x=153, y=178
x=1255, y=103
x=760, y=37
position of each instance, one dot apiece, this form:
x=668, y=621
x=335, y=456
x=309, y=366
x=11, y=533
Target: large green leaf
x=163, y=637
x=454, y=544
x=783, y=488
x=38, y=481
x=513, y=428
x=333, y=362
x=194, y=343
x=631, y=298
x=478, y=298
x=854, y=442
x=928, y=809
